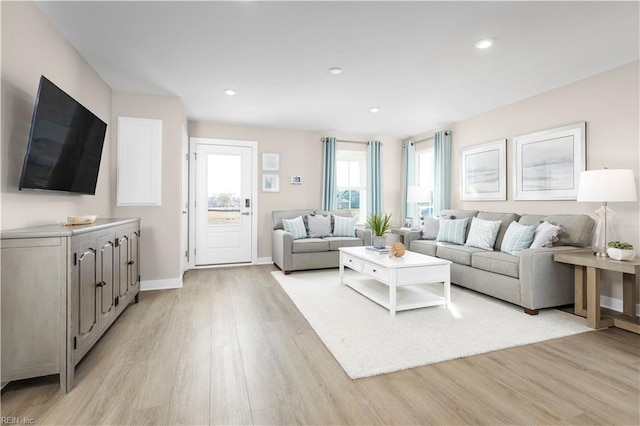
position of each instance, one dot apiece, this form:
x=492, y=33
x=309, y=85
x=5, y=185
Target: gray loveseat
x=532, y=279
x=310, y=253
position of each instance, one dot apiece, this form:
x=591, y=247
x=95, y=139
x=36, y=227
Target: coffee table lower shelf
x=407, y=297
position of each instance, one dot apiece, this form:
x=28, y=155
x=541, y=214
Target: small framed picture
x=270, y=162
x=270, y=183
x=408, y=221
x=296, y=180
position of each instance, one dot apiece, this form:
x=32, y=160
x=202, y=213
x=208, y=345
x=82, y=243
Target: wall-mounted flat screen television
x=65, y=144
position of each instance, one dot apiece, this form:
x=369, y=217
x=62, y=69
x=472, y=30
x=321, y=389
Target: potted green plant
x=620, y=250
x=379, y=224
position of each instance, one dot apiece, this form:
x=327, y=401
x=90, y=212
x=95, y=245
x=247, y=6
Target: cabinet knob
x=131, y=262
x=374, y=270
x=101, y=284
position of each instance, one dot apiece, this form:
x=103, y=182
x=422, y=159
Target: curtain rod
x=430, y=137
x=346, y=141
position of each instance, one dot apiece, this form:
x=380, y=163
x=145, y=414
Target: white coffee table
x=397, y=283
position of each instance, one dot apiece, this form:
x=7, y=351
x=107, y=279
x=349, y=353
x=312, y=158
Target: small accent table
x=395, y=283
x=587, y=288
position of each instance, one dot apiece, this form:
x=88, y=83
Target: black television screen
x=65, y=144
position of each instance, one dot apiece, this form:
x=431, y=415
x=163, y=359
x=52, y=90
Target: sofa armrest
x=544, y=282
x=365, y=235
x=410, y=236
x=281, y=249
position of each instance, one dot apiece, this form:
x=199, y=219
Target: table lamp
x=606, y=186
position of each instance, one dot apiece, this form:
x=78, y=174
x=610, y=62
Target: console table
x=587, y=288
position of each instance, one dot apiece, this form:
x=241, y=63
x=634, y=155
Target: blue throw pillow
x=452, y=230
x=517, y=238
x=344, y=226
x=295, y=227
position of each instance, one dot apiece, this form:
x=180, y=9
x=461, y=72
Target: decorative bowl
x=619, y=254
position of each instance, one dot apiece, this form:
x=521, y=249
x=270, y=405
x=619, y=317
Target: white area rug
x=366, y=341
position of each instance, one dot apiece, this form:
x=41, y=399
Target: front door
x=223, y=204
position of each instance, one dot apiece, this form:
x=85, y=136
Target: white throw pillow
x=546, y=235
x=483, y=233
x=295, y=227
x=344, y=226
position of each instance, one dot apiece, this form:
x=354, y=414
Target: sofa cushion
x=517, y=238
x=452, y=230
x=483, y=233
x=344, y=226
x=427, y=247
x=459, y=214
x=500, y=263
x=546, y=235
x=319, y=225
x=456, y=253
x=505, y=218
x=576, y=229
x=310, y=245
x=531, y=219
x=278, y=215
x=295, y=227
x=336, y=242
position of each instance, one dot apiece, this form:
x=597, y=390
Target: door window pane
x=351, y=182
x=223, y=189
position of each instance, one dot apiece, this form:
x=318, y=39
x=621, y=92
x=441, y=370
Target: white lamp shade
x=418, y=194
x=607, y=185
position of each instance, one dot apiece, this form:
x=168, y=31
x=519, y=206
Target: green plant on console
x=379, y=223
x=620, y=245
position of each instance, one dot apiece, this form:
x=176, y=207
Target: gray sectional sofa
x=310, y=253
x=532, y=279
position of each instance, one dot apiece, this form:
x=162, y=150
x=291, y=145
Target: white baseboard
x=161, y=284
x=263, y=261
x=615, y=304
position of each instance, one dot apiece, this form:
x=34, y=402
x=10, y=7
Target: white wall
x=300, y=155
x=608, y=102
x=160, y=249
x=32, y=47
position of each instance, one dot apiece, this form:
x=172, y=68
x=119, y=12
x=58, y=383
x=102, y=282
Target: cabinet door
x=84, y=312
x=107, y=279
x=134, y=255
x=123, y=267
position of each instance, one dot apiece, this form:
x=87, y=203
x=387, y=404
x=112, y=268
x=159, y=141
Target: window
x=424, y=177
x=351, y=176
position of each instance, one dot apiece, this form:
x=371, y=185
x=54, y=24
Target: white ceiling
x=414, y=60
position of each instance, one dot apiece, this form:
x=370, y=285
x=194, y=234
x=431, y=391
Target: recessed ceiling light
x=484, y=44
x=374, y=109
x=229, y=92
x=335, y=70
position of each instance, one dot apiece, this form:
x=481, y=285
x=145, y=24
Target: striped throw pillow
x=295, y=227
x=344, y=226
x=517, y=238
x=483, y=233
x=452, y=230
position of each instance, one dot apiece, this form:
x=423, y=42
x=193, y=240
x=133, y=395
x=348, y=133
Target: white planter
x=619, y=254
x=379, y=242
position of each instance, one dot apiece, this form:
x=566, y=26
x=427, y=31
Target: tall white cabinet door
x=139, y=167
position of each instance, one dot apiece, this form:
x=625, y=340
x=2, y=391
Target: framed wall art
x=548, y=163
x=270, y=183
x=484, y=172
x=270, y=162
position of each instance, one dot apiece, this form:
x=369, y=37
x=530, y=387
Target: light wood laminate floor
x=231, y=348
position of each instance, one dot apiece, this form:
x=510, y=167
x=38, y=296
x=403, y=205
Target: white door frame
x=192, y=193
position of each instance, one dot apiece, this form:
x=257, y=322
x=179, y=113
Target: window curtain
x=329, y=174
x=442, y=171
x=374, y=177
x=409, y=175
